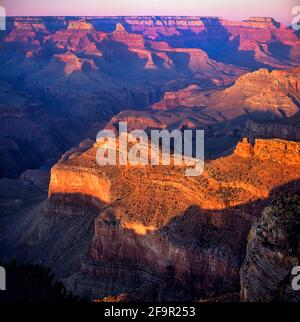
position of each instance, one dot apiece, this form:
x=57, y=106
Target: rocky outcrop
x=68, y=184
x=71, y=63
x=154, y=257
x=190, y=247
x=80, y=25
x=275, y=150
x=77, y=185
x=25, y=31
x=174, y=100
x=278, y=151
x=244, y=149
x=79, y=37
x=272, y=252
x=133, y=41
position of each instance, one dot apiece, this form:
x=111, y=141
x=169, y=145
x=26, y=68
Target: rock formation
x=272, y=252
x=80, y=25
x=173, y=100
x=193, y=242
x=244, y=149
x=262, y=93
x=276, y=150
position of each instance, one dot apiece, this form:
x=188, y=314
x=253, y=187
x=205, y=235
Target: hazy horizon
x=237, y=10
x=122, y=16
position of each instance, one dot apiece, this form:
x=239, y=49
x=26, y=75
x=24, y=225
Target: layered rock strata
x=193, y=242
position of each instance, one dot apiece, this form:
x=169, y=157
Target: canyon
x=127, y=233
x=102, y=238
x=71, y=72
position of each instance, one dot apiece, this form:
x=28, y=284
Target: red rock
x=275, y=92
x=199, y=233
x=244, y=149
x=80, y=25
x=275, y=150
x=133, y=41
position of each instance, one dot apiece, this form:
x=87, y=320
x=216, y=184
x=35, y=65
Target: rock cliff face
x=278, y=90
x=273, y=250
x=151, y=255
x=279, y=151
x=193, y=243
x=67, y=185
x=287, y=129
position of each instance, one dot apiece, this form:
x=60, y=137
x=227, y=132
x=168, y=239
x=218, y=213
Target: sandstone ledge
x=281, y=151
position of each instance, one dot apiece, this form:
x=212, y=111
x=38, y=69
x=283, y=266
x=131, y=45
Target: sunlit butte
x=230, y=9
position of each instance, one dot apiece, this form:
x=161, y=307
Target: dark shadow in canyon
x=79, y=199
x=279, y=49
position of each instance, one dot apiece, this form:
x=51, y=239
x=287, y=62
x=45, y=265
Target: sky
x=230, y=9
